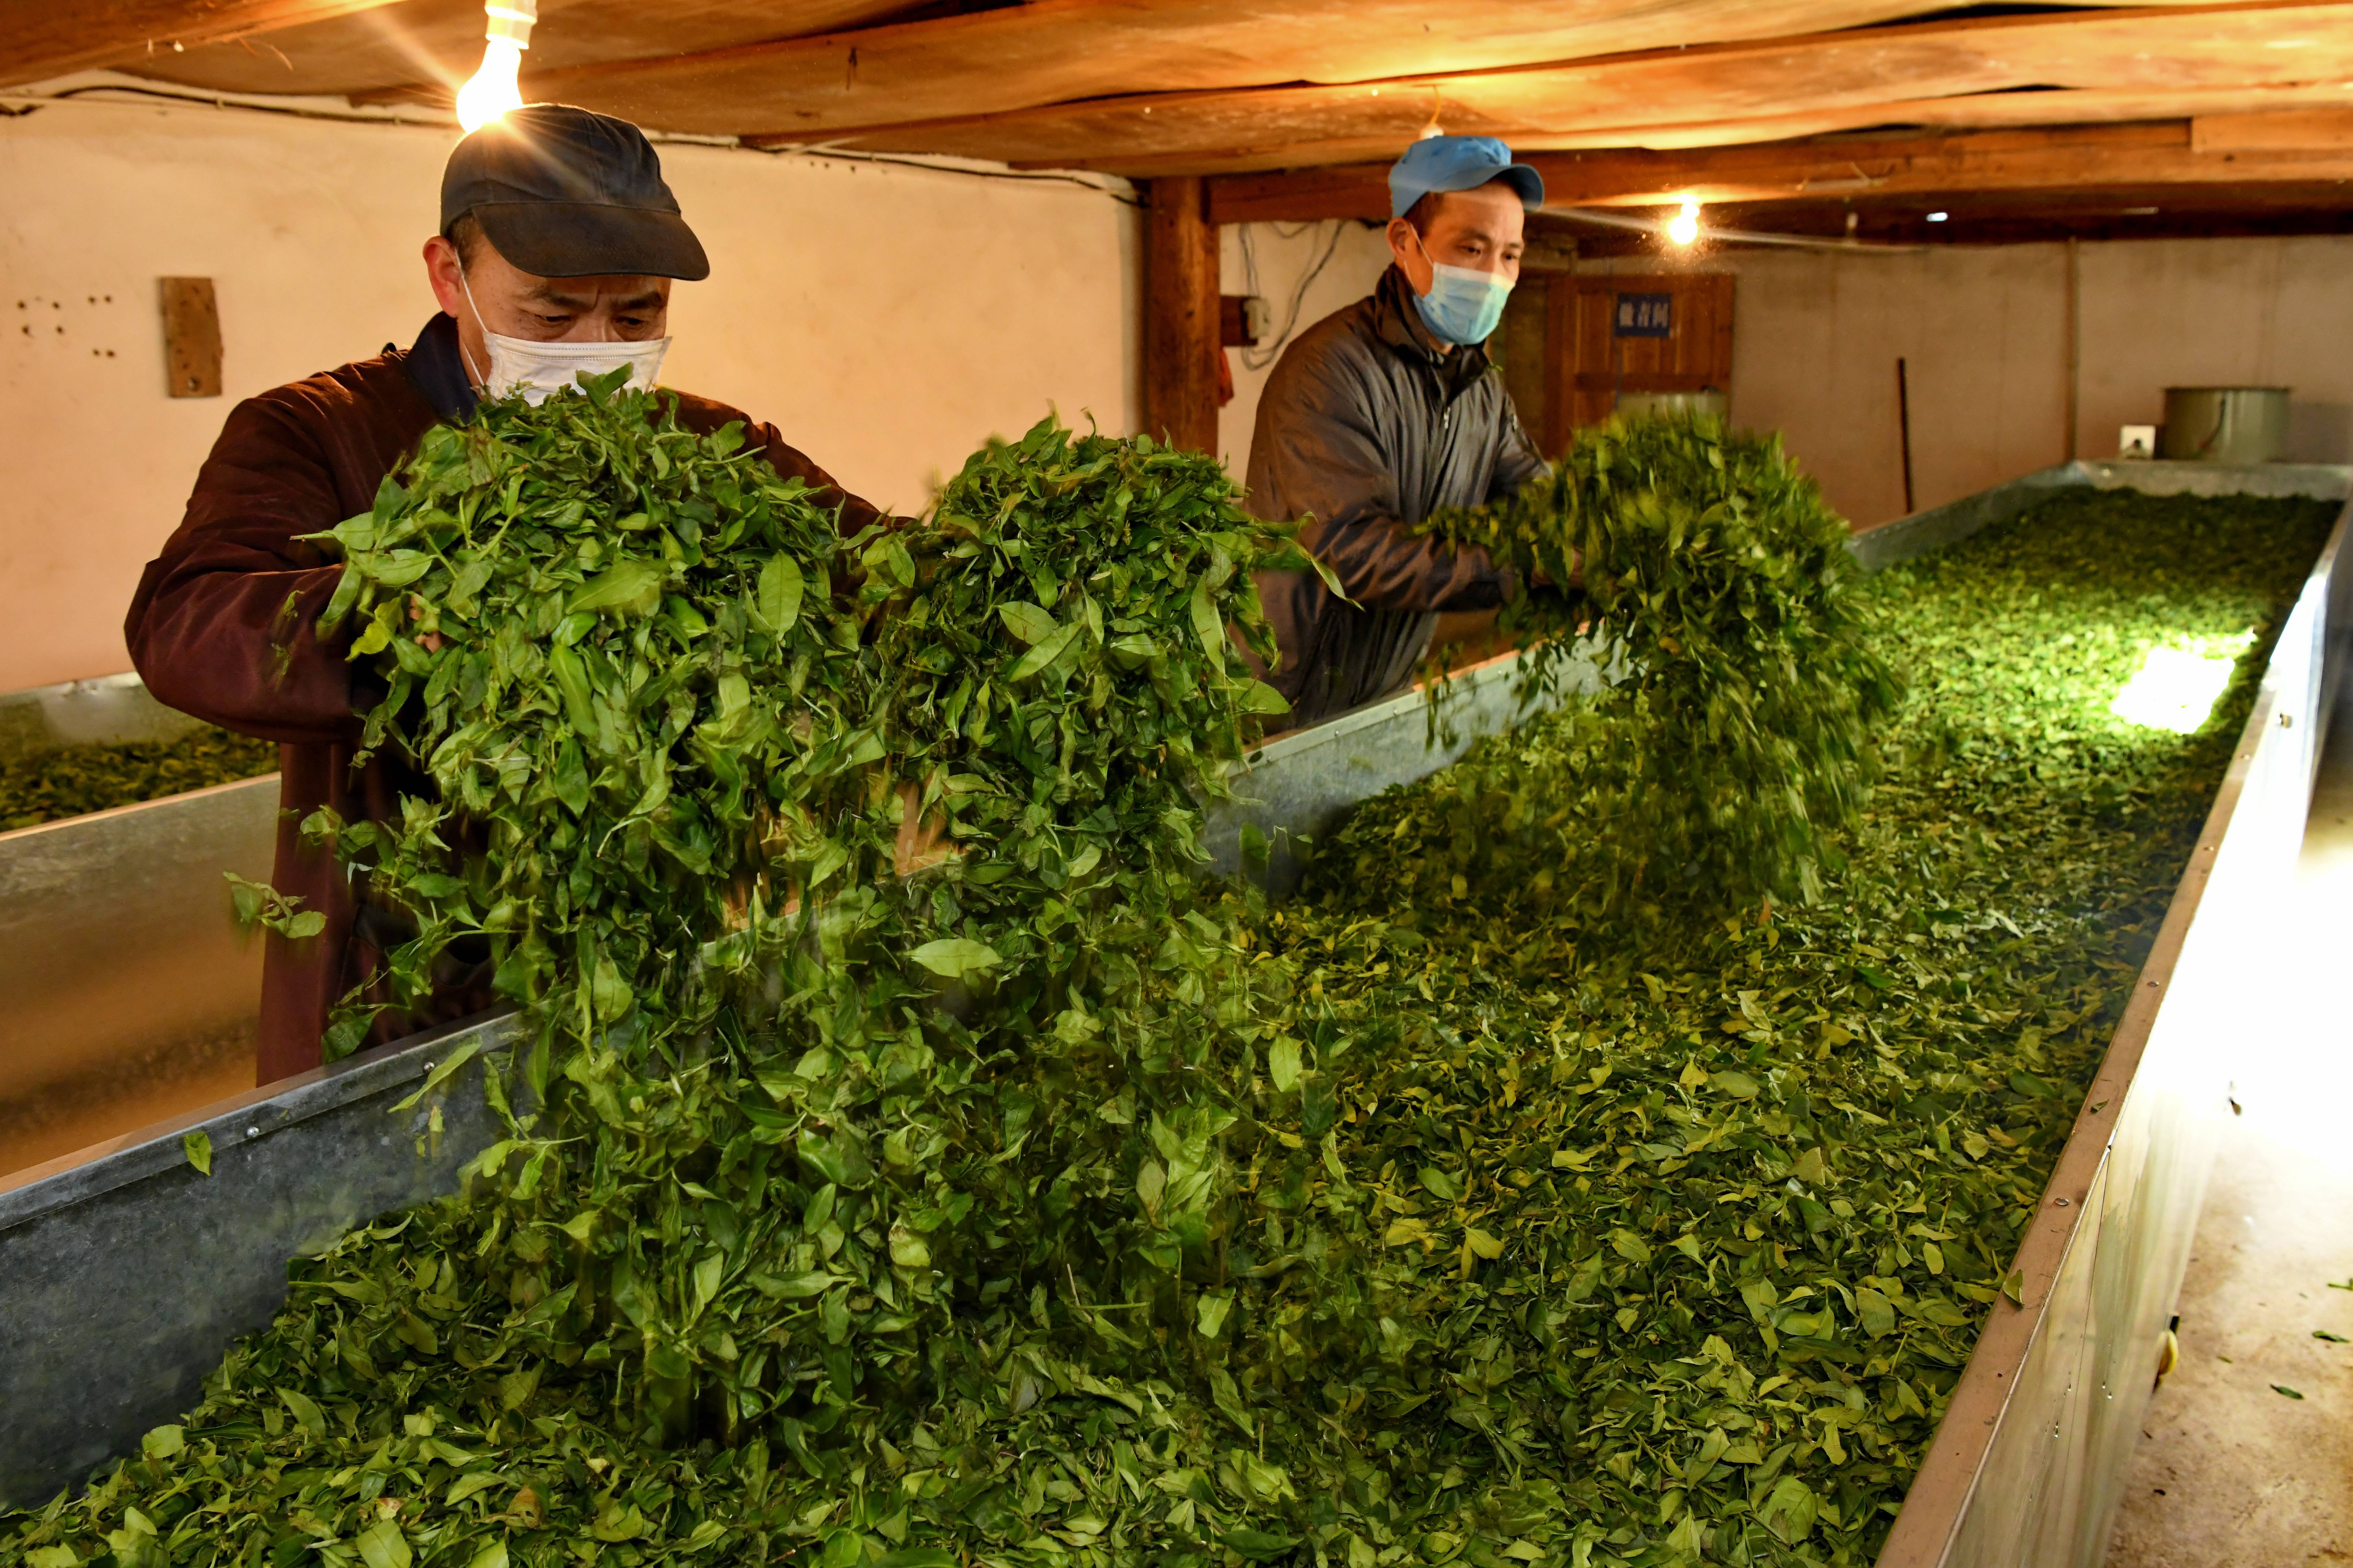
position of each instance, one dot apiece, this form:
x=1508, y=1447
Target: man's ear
x=441, y=269
x=1412, y=258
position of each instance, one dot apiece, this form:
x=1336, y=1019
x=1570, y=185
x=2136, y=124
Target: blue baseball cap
x=1458, y=163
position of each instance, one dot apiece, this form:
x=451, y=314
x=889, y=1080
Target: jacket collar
x=437, y=367
x=1400, y=324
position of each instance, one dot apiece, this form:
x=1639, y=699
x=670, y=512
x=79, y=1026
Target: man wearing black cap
x=1385, y=412
x=558, y=244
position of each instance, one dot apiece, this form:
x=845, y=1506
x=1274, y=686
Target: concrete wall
x=887, y=319
x=1983, y=333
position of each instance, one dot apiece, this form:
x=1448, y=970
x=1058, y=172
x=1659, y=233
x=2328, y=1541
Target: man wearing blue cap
x=1382, y=414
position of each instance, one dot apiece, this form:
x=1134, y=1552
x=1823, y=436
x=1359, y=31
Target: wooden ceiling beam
x=1055, y=52
x=418, y=50
x=1817, y=82
x=2152, y=154
x=2014, y=218
x=2282, y=110
x=44, y=39
x=2294, y=130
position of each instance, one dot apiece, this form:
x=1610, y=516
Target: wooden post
x=1180, y=315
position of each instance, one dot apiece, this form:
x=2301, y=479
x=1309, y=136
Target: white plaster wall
x=1982, y=330
x=1354, y=255
x=887, y=319
x=2220, y=313
x=1815, y=340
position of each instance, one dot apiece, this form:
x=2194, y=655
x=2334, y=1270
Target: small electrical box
x=2136, y=441
x=1243, y=320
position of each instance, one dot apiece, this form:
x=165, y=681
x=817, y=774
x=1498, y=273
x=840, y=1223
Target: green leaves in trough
x=1718, y=593
x=69, y=781
x=1046, y=1205
x=1755, y=1183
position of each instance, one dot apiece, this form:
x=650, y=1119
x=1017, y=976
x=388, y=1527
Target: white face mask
x=537, y=369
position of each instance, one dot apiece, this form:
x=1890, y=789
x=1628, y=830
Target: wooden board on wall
x=1590, y=363
x=192, y=337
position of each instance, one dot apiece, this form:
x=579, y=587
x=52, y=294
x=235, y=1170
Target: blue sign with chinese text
x=1645, y=316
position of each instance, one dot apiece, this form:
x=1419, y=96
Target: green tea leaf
x=383, y=1546
x=779, y=598
x=955, y=957
x=1028, y=622
x=627, y=588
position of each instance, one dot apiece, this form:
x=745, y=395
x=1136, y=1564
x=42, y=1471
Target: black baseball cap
x=567, y=193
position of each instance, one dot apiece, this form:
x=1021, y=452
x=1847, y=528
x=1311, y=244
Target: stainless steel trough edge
x=118, y=953
x=107, y=709
x=1297, y=784
x=125, y=1274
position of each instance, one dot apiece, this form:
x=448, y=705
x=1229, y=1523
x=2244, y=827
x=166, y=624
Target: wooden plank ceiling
x=1239, y=89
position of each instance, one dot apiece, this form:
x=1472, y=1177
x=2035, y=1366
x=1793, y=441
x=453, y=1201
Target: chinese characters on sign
x=1645, y=316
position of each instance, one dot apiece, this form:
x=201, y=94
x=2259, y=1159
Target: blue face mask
x=1463, y=306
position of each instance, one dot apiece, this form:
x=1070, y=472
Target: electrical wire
x=1083, y=181
x=34, y=102
x=1259, y=357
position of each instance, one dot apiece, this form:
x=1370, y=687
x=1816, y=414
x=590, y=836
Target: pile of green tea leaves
x=1733, y=742
x=813, y=1168
x=1048, y=1205
x=71, y=781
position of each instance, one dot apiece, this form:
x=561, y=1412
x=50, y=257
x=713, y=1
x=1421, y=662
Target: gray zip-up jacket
x=1366, y=428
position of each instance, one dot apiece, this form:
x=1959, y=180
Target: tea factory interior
x=1175, y=781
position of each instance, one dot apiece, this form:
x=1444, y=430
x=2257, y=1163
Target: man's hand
x=921, y=844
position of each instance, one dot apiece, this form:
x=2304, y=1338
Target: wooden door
x=1665, y=331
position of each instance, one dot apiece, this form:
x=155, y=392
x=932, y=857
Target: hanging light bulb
x=1684, y=228
x=493, y=90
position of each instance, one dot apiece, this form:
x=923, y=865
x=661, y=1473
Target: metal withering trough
x=124, y=1275
x=130, y=992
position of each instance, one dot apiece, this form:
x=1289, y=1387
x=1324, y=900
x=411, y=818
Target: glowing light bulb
x=1684, y=228
x=493, y=90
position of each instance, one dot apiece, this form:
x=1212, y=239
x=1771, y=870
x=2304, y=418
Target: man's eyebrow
x=546, y=293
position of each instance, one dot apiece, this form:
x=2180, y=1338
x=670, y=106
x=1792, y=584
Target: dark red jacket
x=223, y=627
